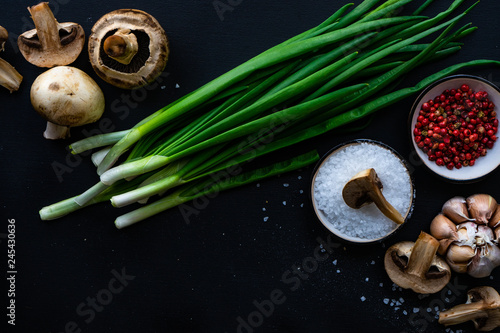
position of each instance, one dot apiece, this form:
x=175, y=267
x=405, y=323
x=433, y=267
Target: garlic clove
x=444, y=244
x=444, y=230
x=481, y=207
x=456, y=210
x=484, y=261
x=442, y=227
x=495, y=219
x=460, y=254
x=458, y=268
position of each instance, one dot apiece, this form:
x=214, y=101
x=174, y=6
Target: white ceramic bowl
x=485, y=164
x=326, y=221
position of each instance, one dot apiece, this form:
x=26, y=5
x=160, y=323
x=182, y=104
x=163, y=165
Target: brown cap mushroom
x=9, y=77
x=51, y=43
x=416, y=266
x=128, y=48
x=365, y=188
x=482, y=307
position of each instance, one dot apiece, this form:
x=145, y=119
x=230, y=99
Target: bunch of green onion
x=331, y=75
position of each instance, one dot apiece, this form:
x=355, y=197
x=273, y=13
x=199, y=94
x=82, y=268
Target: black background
x=203, y=275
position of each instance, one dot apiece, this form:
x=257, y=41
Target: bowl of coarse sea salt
x=366, y=224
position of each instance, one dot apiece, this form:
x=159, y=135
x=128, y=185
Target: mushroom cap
x=150, y=60
x=51, y=43
x=67, y=96
x=72, y=46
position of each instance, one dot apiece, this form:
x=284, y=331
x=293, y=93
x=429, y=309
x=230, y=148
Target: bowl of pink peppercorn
x=454, y=126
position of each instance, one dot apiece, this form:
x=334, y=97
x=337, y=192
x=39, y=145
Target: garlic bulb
x=471, y=245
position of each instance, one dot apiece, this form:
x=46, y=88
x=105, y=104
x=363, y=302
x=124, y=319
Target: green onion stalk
x=326, y=78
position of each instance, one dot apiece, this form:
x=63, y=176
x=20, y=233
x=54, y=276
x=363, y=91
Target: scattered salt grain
x=177, y=86
x=367, y=222
x=286, y=185
x=264, y=209
x=284, y=203
x=266, y=218
x=416, y=310
x=367, y=279
x=386, y=301
x=334, y=262
x=363, y=298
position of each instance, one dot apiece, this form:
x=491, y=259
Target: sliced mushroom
x=482, y=307
x=416, y=266
x=128, y=48
x=365, y=188
x=9, y=76
x=4, y=35
x=51, y=43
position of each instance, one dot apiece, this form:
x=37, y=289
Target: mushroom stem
x=9, y=77
x=55, y=132
x=122, y=46
x=365, y=187
x=482, y=308
x=46, y=25
x=461, y=314
x=422, y=255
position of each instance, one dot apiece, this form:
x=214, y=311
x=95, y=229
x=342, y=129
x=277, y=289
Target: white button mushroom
x=66, y=97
